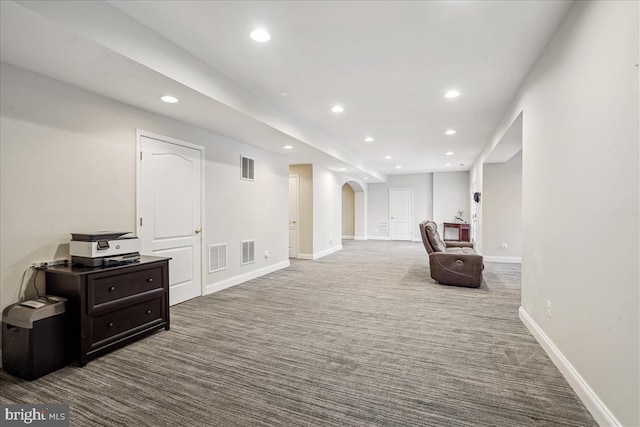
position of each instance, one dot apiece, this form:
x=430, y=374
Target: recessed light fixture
x=368, y=139
x=260, y=35
x=387, y=157
x=450, y=132
x=365, y=178
x=337, y=109
x=449, y=153
x=398, y=167
x=448, y=164
x=284, y=93
x=452, y=94
x=342, y=169
x=288, y=147
x=169, y=99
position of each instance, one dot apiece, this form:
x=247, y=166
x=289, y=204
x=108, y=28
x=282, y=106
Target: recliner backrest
x=430, y=237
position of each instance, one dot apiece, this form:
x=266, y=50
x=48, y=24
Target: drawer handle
x=149, y=280
x=110, y=325
x=112, y=288
x=148, y=312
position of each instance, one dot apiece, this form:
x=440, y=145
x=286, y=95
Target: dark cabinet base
x=109, y=307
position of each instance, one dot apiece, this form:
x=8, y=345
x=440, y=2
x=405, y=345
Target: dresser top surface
x=76, y=270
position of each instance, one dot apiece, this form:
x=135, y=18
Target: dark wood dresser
x=110, y=307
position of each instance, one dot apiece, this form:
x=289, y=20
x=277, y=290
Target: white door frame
x=140, y=133
x=297, y=176
x=410, y=212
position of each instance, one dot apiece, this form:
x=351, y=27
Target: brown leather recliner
x=451, y=263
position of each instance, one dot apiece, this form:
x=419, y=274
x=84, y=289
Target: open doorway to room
x=501, y=201
x=353, y=211
x=348, y=212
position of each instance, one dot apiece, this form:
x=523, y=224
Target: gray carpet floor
x=363, y=337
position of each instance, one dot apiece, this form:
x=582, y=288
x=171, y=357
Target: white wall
x=378, y=202
x=450, y=194
x=68, y=160
x=327, y=212
x=580, y=245
x=501, y=203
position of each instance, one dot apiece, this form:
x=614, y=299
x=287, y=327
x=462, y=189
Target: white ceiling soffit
x=388, y=63
x=509, y=145
x=75, y=43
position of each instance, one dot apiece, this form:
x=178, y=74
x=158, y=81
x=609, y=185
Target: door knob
x=198, y=231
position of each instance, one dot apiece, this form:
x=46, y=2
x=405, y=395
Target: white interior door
x=170, y=209
x=400, y=207
x=293, y=215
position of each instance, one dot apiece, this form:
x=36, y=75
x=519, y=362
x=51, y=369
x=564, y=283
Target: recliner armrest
x=456, y=269
x=450, y=244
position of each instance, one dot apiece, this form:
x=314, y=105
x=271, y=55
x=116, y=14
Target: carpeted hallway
x=360, y=337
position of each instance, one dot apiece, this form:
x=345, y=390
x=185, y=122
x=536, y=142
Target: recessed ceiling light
x=398, y=167
x=452, y=94
x=284, y=93
x=461, y=164
x=449, y=153
x=450, y=132
x=387, y=157
x=260, y=35
x=365, y=178
x=342, y=169
x=169, y=99
x=337, y=109
x=448, y=164
x=288, y=147
x=368, y=139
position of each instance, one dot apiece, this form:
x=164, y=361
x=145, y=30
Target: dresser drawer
x=105, y=289
x=116, y=322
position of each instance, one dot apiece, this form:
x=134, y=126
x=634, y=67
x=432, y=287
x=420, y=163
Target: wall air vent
x=382, y=227
x=248, y=252
x=247, y=168
x=217, y=257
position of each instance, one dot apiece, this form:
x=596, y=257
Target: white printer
x=102, y=248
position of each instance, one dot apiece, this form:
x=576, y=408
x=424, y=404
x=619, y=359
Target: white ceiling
x=388, y=63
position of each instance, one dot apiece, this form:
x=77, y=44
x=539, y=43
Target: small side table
x=462, y=231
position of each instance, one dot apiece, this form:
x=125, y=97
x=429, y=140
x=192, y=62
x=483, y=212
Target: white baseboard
x=592, y=402
x=505, y=259
x=360, y=238
x=326, y=252
x=378, y=238
x=417, y=239
x=318, y=255
x=347, y=237
x=236, y=280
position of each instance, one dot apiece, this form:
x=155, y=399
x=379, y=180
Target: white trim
x=589, y=398
x=505, y=259
x=378, y=238
x=417, y=239
x=318, y=255
x=241, y=278
x=347, y=237
x=304, y=256
x=204, y=256
x=359, y=237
